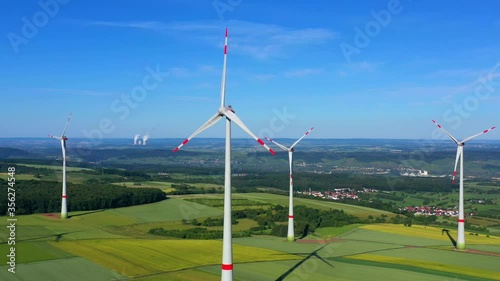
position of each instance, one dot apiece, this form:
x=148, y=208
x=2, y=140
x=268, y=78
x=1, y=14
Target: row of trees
x=322, y=182
x=45, y=197
x=195, y=233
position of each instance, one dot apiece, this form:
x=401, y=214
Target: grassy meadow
x=114, y=244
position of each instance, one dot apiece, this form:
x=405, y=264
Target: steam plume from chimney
x=136, y=138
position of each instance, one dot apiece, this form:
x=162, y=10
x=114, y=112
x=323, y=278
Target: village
x=349, y=193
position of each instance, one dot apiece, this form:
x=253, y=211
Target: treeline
x=322, y=182
x=45, y=197
x=307, y=220
x=270, y=221
x=196, y=233
x=183, y=188
x=126, y=175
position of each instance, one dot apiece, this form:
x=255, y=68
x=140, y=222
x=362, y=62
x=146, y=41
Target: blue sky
x=351, y=69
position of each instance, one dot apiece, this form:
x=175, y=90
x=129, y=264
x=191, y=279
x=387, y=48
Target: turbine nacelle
x=222, y=110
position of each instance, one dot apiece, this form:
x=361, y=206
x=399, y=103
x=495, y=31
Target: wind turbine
x=460, y=154
x=228, y=112
x=291, y=150
x=63, y=139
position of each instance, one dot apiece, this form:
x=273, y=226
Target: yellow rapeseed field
x=430, y=232
x=136, y=257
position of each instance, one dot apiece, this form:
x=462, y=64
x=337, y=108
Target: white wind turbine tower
x=460, y=154
x=63, y=139
x=291, y=150
x=228, y=113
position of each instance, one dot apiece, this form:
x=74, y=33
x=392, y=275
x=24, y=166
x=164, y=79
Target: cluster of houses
x=434, y=211
x=338, y=193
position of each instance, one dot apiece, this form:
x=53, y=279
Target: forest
x=45, y=197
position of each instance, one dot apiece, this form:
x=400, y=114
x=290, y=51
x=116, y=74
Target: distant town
x=349, y=193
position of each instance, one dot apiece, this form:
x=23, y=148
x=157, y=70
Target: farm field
x=165, y=186
x=359, y=211
x=114, y=245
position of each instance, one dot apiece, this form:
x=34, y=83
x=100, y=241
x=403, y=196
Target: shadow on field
x=449, y=236
x=88, y=213
x=312, y=254
x=57, y=237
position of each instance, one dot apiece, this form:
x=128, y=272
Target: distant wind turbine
x=228, y=113
x=63, y=139
x=460, y=245
x=291, y=150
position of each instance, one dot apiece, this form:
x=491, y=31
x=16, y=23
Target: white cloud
x=193, y=99
x=248, y=38
x=297, y=73
x=359, y=67
x=62, y=91
x=264, y=77
x=179, y=72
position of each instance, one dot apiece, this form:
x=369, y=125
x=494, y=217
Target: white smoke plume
x=136, y=138
x=145, y=138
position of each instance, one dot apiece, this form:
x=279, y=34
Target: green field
x=137, y=257
x=77, y=269
x=114, y=245
x=165, y=186
x=359, y=211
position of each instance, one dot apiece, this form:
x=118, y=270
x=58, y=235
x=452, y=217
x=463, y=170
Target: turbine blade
x=456, y=163
x=478, y=134
x=307, y=133
x=203, y=127
x=278, y=144
x=65, y=127
x=229, y=114
x=55, y=137
x=223, y=83
x=449, y=135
